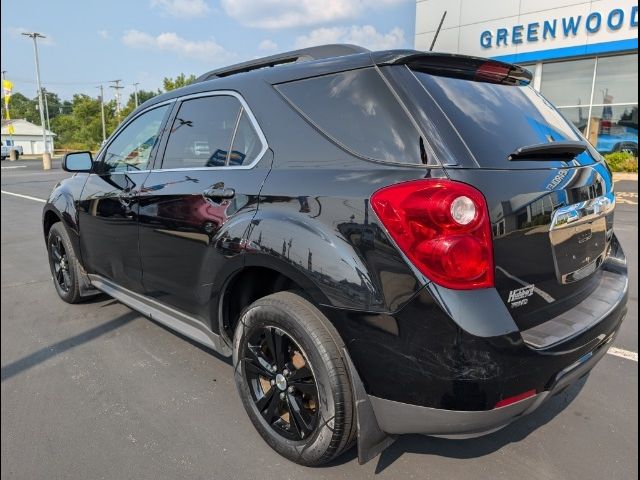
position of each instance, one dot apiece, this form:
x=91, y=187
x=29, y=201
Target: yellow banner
x=10, y=128
x=7, y=88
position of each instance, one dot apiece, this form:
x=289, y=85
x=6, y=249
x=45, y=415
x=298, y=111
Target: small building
x=27, y=135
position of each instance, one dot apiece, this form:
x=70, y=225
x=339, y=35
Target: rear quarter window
x=357, y=110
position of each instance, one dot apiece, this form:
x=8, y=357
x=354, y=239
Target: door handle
x=219, y=193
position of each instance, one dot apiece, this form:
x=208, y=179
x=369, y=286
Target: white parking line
x=13, y=166
x=618, y=352
x=24, y=196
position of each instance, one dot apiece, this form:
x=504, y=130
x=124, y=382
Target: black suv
x=386, y=242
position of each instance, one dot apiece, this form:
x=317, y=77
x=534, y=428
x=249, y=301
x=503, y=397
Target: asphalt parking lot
x=96, y=391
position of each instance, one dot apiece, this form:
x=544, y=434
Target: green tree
x=143, y=96
x=23, y=107
x=81, y=128
x=180, y=81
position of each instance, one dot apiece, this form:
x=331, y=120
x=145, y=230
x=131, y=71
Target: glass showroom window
x=614, y=113
x=568, y=83
x=600, y=97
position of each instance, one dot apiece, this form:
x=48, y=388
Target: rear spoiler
x=456, y=66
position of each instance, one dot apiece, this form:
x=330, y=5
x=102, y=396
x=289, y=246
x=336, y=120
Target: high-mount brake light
x=443, y=228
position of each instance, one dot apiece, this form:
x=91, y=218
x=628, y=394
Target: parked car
x=6, y=149
x=396, y=242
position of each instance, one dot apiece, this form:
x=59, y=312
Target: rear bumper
x=402, y=418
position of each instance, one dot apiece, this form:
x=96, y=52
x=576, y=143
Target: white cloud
x=182, y=8
x=205, y=50
x=298, y=13
x=268, y=46
x=103, y=34
x=365, y=36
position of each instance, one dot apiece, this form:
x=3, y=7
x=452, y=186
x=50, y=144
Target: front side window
x=202, y=133
x=131, y=149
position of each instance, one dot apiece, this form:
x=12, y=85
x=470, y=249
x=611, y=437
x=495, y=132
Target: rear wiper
x=544, y=151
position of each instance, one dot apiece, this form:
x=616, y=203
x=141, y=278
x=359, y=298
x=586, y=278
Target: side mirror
x=77, y=162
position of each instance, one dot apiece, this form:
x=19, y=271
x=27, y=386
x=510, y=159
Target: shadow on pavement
x=44, y=354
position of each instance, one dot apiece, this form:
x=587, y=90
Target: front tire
x=64, y=264
x=293, y=380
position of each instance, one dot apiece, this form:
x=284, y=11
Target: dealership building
x=583, y=54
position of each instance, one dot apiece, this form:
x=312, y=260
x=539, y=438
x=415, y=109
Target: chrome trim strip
x=164, y=314
x=583, y=212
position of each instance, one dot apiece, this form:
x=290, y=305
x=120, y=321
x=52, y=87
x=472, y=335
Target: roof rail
x=305, y=54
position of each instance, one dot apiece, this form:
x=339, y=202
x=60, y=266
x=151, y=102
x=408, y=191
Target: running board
x=167, y=316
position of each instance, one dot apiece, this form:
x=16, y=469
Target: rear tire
x=280, y=405
x=64, y=264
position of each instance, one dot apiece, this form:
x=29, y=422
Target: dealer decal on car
x=520, y=296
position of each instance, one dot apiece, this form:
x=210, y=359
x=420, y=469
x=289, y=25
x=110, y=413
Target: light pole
x=46, y=157
x=104, y=127
x=46, y=108
x=135, y=92
x=6, y=104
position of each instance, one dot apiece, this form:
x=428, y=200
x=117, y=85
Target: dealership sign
x=564, y=27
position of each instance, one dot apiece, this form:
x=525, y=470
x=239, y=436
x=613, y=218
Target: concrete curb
x=617, y=176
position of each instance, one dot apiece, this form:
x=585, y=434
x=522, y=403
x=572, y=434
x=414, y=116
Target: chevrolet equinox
x=385, y=242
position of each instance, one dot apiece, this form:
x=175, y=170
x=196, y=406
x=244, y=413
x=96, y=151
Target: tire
x=63, y=264
x=312, y=346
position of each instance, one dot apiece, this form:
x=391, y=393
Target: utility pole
x=46, y=157
x=46, y=108
x=104, y=127
x=135, y=92
x=117, y=87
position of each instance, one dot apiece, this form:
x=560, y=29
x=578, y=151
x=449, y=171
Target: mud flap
x=371, y=440
x=86, y=289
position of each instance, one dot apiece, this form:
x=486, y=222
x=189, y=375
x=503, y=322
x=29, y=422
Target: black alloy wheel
x=292, y=378
x=281, y=381
x=60, y=263
x=65, y=268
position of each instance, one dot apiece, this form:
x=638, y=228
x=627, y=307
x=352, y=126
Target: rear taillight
x=442, y=227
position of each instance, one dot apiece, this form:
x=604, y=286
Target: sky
x=91, y=42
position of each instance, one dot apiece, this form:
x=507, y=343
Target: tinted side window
x=132, y=148
x=202, y=132
x=357, y=110
x=246, y=143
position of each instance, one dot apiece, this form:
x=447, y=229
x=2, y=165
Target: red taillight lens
x=443, y=227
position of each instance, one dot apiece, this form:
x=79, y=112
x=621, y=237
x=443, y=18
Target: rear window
x=494, y=120
x=357, y=110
